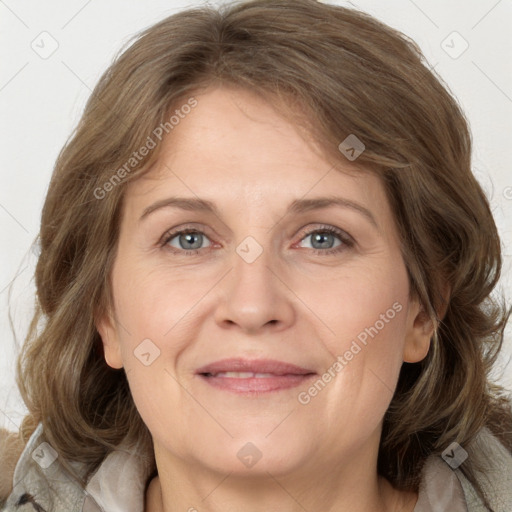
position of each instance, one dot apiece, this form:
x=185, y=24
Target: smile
x=253, y=376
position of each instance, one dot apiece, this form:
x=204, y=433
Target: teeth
x=244, y=375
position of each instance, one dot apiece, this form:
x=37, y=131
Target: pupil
x=321, y=238
x=189, y=237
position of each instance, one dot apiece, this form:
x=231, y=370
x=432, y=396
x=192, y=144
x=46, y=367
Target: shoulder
x=444, y=486
x=494, y=476
x=10, y=450
x=39, y=481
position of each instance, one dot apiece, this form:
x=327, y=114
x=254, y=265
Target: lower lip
x=257, y=384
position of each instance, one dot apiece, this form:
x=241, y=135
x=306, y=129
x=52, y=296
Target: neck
x=194, y=489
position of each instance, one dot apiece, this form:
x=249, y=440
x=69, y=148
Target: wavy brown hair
x=335, y=71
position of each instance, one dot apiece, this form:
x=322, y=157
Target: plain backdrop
x=52, y=53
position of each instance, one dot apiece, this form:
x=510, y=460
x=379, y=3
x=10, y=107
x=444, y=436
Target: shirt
x=41, y=484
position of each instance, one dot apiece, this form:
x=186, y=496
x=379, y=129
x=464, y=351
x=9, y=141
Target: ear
x=420, y=327
x=419, y=333
x=106, y=327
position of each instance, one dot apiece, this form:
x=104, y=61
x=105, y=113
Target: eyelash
x=347, y=240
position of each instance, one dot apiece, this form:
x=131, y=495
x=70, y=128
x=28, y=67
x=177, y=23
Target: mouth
x=254, y=376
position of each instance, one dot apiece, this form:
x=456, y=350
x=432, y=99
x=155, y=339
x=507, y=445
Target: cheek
x=156, y=321
x=366, y=313
x=362, y=378
x=364, y=304
x=151, y=341
x=151, y=302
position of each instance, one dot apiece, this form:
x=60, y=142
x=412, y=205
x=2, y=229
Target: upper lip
x=253, y=365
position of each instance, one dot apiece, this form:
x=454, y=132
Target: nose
x=254, y=297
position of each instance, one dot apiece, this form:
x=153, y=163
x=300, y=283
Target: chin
x=252, y=456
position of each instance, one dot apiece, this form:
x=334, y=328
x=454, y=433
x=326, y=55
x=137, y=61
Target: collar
x=117, y=485
x=440, y=489
x=119, y=482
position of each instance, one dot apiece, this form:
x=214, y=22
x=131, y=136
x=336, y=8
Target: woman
x=265, y=280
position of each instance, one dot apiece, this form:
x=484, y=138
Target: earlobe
x=109, y=337
x=419, y=334
x=421, y=328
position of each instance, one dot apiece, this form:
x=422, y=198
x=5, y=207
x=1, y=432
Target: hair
x=335, y=71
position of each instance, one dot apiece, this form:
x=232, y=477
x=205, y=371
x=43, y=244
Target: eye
x=186, y=241
x=323, y=240
x=189, y=241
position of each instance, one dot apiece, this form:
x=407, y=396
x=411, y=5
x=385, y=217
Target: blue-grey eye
x=323, y=239
x=189, y=240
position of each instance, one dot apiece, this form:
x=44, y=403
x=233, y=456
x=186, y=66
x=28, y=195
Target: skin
x=293, y=303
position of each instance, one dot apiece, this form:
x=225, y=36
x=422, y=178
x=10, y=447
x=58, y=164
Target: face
x=270, y=334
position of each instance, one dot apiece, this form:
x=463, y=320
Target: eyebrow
x=297, y=206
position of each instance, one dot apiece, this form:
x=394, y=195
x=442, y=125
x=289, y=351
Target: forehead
x=235, y=147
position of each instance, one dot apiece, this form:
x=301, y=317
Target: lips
x=250, y=376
